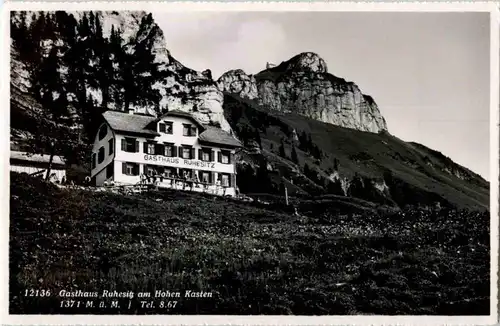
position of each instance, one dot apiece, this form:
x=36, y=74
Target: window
x=205, y=176
x=130, y=145
x=205, y=154
x=225, y=180
x=224, y=157
x=169, y=151
x=151, y=149
x=189, y=130
x=111, y=146
x=110, y=171
x=100, y=155
x=168, y=127
x=130, y=168
x=151, y=171
x=187, y=173
x=94, y=163
x=103, y=132
x=169, y=173
x=187, y=152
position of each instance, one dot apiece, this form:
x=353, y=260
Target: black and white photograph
x=251, y=162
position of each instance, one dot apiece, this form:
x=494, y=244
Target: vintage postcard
x=250, y=163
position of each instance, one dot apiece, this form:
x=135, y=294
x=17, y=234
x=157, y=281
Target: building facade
x=37, y=165
x=171, y=151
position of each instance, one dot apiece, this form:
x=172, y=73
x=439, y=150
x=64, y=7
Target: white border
x=250, y=6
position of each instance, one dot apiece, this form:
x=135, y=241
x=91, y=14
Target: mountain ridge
x=302, y=127
x=302, y=84
x=372, y=166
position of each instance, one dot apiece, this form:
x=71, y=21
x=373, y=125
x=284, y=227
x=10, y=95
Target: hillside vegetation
x=329, y=259
x=377, y=167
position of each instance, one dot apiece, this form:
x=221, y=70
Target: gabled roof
x=141, y=124
x=38, y=158
x=132, y=123
x=215, y=135
x=183, y=114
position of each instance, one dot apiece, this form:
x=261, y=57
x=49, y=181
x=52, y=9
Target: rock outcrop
x=180, y=88
x=303, y=85
x=238, y=82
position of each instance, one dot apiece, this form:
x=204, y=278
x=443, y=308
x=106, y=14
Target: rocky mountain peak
x=302, y=85
x=238, y=82
x=306, y=62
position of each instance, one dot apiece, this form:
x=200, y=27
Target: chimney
x=131, y=111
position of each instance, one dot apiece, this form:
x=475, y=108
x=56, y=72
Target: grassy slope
x=255, y=260
x=370, y=154
x=389, y=152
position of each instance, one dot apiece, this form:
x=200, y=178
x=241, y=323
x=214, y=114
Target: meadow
x=254, y=258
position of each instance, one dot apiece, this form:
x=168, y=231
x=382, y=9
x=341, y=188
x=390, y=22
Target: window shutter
x=124, y=168
x=159, y=149
x=145, y=146
x=200, y=154
x=212, y=177
x=124, y=145
x=136, y=169
x=193, y=153
x=137, y=146
x=212, y=155
x=174, y=151
x=219, y=157
x=232, y=180
x=231, y=158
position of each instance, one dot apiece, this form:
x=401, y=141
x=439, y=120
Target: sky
x=428, y=72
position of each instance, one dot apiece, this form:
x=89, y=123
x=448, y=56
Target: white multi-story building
x=174, y=150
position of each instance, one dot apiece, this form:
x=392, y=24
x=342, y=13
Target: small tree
x=334, y=187
x=263, y=179
x=335, y=164
x=303, y=141
x=54, y=123
x=257, y=138
x=307, y=170
x=282, y=149
x=295, y=158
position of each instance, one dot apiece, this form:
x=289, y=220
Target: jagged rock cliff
x=238, y=82
x=303, y=85
x=179, y=87
x=182, y=89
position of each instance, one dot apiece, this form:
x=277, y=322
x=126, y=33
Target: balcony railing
x=160, y=181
